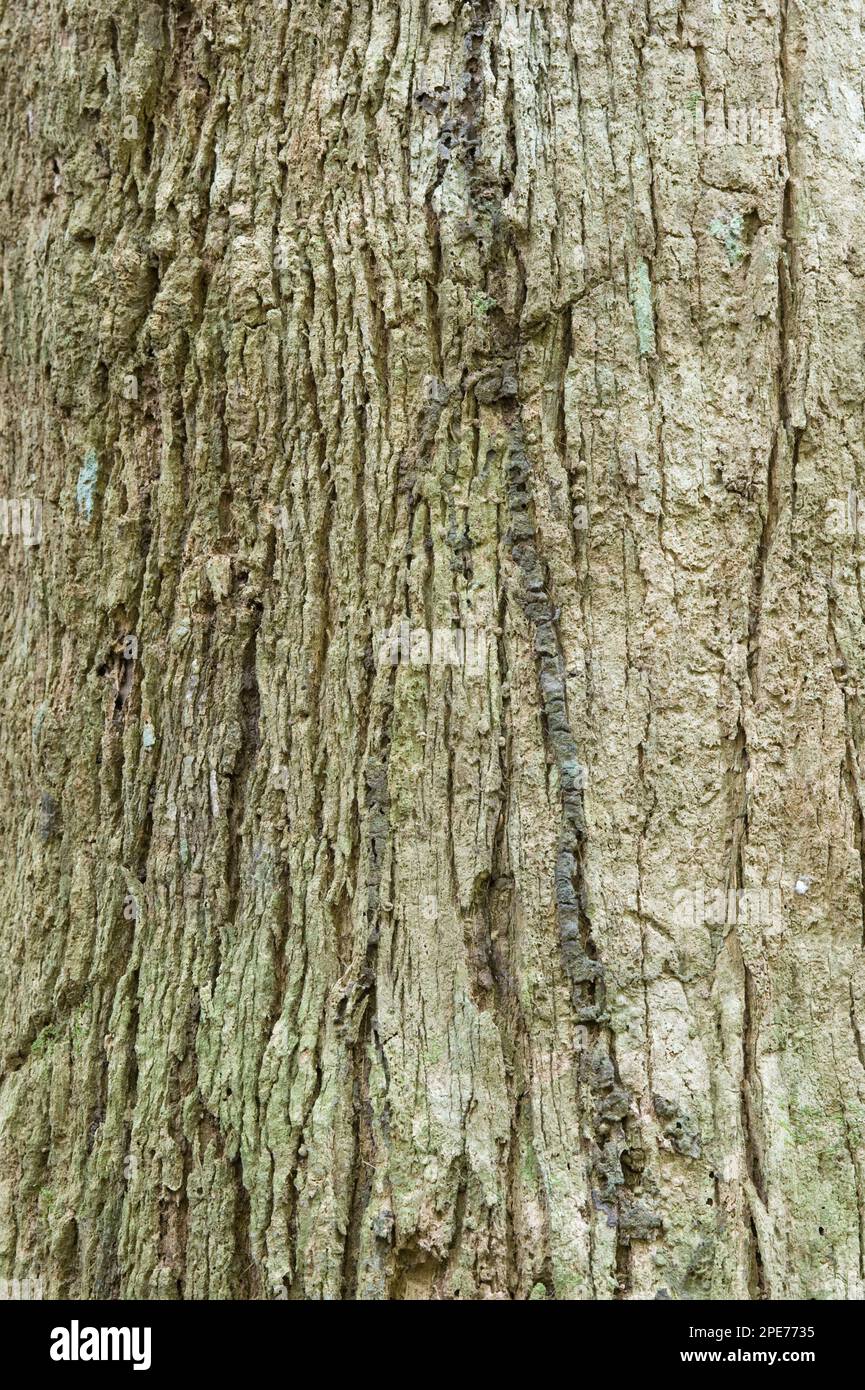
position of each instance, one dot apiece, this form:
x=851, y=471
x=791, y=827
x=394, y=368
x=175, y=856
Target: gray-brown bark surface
x=326, y=974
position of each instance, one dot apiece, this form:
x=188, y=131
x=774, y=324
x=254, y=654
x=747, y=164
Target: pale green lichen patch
x=641, y=298
x=85, y=487
x=730, y=233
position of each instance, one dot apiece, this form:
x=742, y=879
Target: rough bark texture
x=325, y=975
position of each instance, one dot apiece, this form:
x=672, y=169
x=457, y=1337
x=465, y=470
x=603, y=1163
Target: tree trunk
x=432, y=747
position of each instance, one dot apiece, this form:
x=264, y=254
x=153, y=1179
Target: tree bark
x=432, y=742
